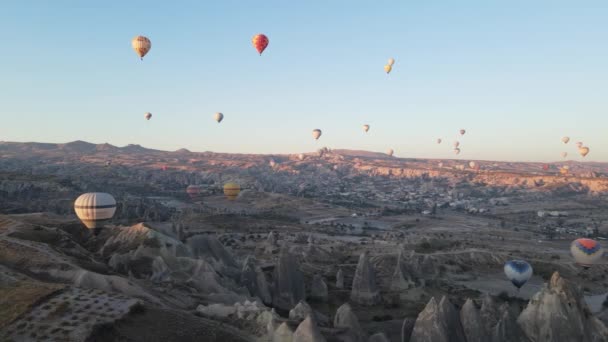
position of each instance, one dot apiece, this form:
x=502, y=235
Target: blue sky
x=518, y=75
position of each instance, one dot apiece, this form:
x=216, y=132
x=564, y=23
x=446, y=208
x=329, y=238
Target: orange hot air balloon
x=260, y=42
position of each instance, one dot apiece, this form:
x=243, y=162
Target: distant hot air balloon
x=108, y=163
x=391, y=61
x=439, y=140
x=462, y=132
x=472, y=164
x=232, y=190
x=518, y=272
x=457, y=150
x=148, y=116
x=219, y=117
x=564, y=154
x=390, y=152
x=579, y=144
x=456, y=143
x=366, y=128
x=440, y=164
x=586, y=252
x=583, y=151
x=141, y=45
x=565, y=140
x=301, y=156
x=316, y=133
x=272, y=163
x=545, y=167
x=164, y=168
x=388, y=68
x=94, y=208
x=260, y=42
x=194, y=191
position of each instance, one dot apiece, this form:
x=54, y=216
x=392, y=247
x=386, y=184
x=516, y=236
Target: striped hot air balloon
x=260, y=42
x=232, y=190
x=586, y=252
x=94, y=208
x=141, y=45
x=518, y=272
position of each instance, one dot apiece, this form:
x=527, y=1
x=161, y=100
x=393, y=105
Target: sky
x=517, y=75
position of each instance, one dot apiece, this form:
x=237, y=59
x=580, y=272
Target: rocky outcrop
x=365, y=291
x=340, y=279
x=308, y=331
x=282, y=334
x=318, y=289
x=254, y=279
x=472, y=324
x=288, y=281
x=508, y=330
x=402, y=279
x=438, y=322
x=558, y=313
x=378, y=337
x=346, y=318
x=303, y=310
x=209, y=247
x=489, y=314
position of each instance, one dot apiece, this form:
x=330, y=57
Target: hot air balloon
x=141, y=45
x=456, y=143
x=579, y=144
x=164, y=168
x=440, y=164
x=219, y=117
x=232, y=190
x=583, y=151
x=148, y=116
x=472, y=164
x=316, y=133
x=565, y=140
x=108, y=163
x=439, y=141
x=387, y=69
x=366, y=128
x=390, y=152
x=462, y=132
x=194, y=191
x=518, y=272
x=94, y=208
x=260, y=42
x=586, y=252
x=272, y=163
x=546, y=167
x=564, y=154
x=391, y=61
x=301, y=156
x=456, y=150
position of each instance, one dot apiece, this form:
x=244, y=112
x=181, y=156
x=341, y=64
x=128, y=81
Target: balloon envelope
x=260, y=42
x=439, y=141
x=366, y=128
x=219, y=117
x=141, y=45
x=456, y=143
x=457, y=150
x=565, y=140
x=316, y=133
x=462, y=132
x=388, y=68
x=391, y=61
x=583, y=151
x=564, y=154
x=232, y=190
x=194, y=191
x=390, y=152
x=148, y=116
x=518, y=272
x=94, y=208
x=586, y=252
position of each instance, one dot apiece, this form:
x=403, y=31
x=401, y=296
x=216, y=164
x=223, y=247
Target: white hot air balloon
x=456, y=150
x=564, y=154
x=565, y=140
x=518, y=272
x=365, y=128
x=148, y=116
x=456, y=143
x=462, y=131
x=390, y=152
x=586, y=252
x=439, y=140
x=301, y=156
x=141, y=45
x=391, y=61
x=94, y=208
x=218, y=117
x=472, y=164
x=316, y=133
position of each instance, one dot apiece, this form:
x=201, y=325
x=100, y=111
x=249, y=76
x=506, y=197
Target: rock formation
x=472, y=324
x=288, y=281
x=283, y=334
x=340, y=279
x=438, y=322
x=308, y=331
x=346, y=318
x=254, y=279
x=508, y=330
x=318, y=289
x=378, y=337
x=401, y=279
x=364, y=290
x=300, y=311
x=558, y=313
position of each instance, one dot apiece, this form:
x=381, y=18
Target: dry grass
x=20, y=297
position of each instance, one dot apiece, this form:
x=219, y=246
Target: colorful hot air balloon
x=456, y=143
x=391, y=61
x=456, y=150
x=141, y=45
x=565, y=140
x=545, y=167
x=148, y=116
x=462, y=131
x=439, y=140
x=194, y=192
x=579, y=144
x=316, y=133
x=366, y=128
x=232, y=190
x=260, y=42
x=586, y=252
x=387, y=69
x=518, y=272
x=583, y=151
x=94, y=208
x=219, y=117
x=564, y=154
x=390, y=152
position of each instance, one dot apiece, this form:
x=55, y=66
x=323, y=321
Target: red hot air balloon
x=260, y=42
x=546, y=167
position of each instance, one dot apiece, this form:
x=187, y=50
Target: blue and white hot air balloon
x=518, y=272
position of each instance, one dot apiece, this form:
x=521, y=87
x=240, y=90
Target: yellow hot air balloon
x=219, y=117
x=583, y=151
x=391, y=61
x=366, y=128
x=388, y=68
x=141, y=45
x=316, y=133
x=94, y=208
x=232, y=190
